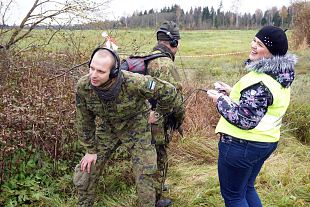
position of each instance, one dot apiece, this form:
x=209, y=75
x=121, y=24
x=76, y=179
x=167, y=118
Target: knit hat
x=168, y=26
x=274, y=38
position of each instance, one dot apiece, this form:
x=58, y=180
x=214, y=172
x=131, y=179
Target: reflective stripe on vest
x=268, y=129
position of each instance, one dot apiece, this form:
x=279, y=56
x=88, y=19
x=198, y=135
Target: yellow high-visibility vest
x=268, y=129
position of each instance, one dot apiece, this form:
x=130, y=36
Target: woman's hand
x=222, y=87
x=214, y=95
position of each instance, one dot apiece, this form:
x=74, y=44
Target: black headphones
x=115, y=69
x=173, y=41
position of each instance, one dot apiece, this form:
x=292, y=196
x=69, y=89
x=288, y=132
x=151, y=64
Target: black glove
x=174, y=120
x=153, y=103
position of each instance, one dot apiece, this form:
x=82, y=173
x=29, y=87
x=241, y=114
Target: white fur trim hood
x=281, y=68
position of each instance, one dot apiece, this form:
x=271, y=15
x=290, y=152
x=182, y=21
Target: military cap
x=168, y=26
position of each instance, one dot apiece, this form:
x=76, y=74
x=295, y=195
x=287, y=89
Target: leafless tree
x=301, y=32
x=178, y=14
x=235, y=8
x=258, y=16
x=47, y=13
x=283, y=14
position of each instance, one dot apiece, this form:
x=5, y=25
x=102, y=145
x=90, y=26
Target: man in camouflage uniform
x=117, y=98
x=163, y=67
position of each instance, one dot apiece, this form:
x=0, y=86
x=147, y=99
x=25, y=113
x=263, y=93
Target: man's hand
x=214, y=95
x=86, y=162
x=222, y=87
x=153, y=117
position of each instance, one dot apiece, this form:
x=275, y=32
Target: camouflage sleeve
x=86, y=126
x=164, y=69
x=169, y=99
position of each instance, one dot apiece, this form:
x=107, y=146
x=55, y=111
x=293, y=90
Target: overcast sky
x=120, y=8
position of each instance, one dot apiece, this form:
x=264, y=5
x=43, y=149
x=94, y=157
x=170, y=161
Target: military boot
x=164, y=202
x=85, y=202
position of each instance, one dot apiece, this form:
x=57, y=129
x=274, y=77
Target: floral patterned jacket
x=254, y=100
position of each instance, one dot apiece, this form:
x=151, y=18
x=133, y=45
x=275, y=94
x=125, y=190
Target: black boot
x=164, y=202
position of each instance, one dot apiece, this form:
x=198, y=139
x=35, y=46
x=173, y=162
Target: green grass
x=283, y=182
x=191, y=43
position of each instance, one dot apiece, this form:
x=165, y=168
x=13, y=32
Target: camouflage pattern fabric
x=123, y=121
x=164, y=68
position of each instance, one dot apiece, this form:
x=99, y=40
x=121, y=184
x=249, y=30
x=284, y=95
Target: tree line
x=43, y=15
x=197, y=18
x=201, y=18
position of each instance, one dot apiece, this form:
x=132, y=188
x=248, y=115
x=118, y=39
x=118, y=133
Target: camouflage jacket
x=128, y=106
x=164, y=69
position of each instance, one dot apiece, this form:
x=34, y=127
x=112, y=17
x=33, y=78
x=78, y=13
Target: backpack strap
x=151, y=56
x=156, y=55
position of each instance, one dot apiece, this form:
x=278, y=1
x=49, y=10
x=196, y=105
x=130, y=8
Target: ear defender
x=115, y=69
x=173, y=41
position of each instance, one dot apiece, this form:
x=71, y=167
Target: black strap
x=151, y=56
x=154, y=56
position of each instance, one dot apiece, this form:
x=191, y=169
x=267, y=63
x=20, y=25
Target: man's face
x=259, y=50
x=99, y=70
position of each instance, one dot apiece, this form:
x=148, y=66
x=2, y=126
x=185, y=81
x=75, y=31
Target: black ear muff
x=173, y=41
x=115, y=69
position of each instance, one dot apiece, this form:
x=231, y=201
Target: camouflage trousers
x=143, y=160
x=161, y=144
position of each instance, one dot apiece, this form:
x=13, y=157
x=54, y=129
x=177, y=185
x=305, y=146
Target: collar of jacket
x=109, y=91
x=280, y=68
x=88, y=84
x=164, y=49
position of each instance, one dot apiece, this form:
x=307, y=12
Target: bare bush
x=201, y=114
x=36, y=115
x=201, y=118
x=47, y=14
x=301, y=33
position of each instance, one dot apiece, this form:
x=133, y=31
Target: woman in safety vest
x=251, y=116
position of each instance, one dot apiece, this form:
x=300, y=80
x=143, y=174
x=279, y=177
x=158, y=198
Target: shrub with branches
x=36, y=115
x=47, y=14
x=301, y=33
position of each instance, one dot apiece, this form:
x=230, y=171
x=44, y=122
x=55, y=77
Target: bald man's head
x=100, y=67
x=107, y=55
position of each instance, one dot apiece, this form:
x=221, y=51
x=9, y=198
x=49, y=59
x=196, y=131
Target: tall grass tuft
x=297, y=119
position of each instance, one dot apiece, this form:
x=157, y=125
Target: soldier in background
x=168, y=37
x=117, y=98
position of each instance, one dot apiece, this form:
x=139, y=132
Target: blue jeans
x=239, y=163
